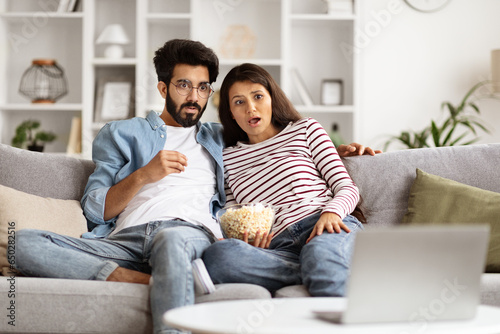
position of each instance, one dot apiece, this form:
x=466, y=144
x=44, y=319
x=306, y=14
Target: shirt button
x=156, y=126
x=163, y=126
x=163, y=136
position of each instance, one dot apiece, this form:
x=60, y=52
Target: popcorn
x=241, y=217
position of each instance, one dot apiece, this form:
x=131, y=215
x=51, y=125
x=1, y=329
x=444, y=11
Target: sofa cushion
x=44, y=174
x=437, y=200
x=19, y=210
x=45, y=305
x=384, y=180
x=48, y=305
x=292, y=291
x=234, y=291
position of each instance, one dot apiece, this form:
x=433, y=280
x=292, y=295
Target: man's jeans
x=322, y=265
x=164, y=249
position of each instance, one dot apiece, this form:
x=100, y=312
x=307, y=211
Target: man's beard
x=175, y=112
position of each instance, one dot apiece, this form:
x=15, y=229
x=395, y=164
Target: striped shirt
x=298, y=171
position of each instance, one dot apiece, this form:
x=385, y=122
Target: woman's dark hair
x=283, y=110
x=184, y=51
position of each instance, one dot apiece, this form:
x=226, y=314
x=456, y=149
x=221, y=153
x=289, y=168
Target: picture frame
x=304, y=94
x=114, y=98
x=332, y=92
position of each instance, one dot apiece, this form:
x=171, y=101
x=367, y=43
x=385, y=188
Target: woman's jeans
x=164, y=249
x=322, y=265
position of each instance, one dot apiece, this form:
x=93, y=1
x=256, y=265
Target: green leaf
x=471, y=142
x=469, y=93
x=435, y=134
x=467, y=124
x=481, y=126
x=450, y=133
x=46, y=137
x=475, y=107
x=19, y=139
x=410, y=139
x=421, y=139
x=405, y=138
x=26, y=133
x=452, y=110
x=453, y=143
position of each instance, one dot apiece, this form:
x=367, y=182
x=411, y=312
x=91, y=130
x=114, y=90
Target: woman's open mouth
x=254, y=121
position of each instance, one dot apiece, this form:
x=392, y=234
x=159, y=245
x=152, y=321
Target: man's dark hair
x=283, y=110
x=184, y=51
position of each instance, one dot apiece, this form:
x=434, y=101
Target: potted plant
x=460, y=119
x=27, y=134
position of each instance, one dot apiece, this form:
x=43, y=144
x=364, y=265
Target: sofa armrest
x=44, y=174
x=384, y=180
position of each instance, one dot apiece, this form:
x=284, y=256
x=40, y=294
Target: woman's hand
x=261, y=241
x=329, y=221
x=355, y=149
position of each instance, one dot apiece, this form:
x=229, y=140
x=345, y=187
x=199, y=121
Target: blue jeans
x=322, y=265
x=164, y=249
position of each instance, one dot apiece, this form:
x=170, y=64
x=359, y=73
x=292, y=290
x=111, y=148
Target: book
x=75, y=136
x=63, y=6
x=72, y=6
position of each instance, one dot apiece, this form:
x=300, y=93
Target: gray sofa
x=75, y=306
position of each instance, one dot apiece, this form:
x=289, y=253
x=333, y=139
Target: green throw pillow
x=436, y=200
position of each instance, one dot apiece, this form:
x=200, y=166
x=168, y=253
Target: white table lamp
x=115, y=36
x=495, y=70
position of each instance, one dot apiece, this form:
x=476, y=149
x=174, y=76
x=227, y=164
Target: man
x=150, y=207
x=151, y=201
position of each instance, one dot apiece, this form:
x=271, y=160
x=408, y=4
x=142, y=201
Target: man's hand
x=355, y=149
x=163, y=164
x=329, y=221
x=259, y=241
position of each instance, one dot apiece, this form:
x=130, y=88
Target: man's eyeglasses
x=184, y=87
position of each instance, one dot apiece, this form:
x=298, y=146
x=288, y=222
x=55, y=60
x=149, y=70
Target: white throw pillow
x=19, y=210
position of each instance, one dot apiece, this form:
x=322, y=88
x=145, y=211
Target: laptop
x=414, y=274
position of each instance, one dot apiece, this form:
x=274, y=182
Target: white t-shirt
x=184, y=195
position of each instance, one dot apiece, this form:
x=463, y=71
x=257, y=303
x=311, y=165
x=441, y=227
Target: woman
x=275, y=156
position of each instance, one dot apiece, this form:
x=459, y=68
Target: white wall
x=410, y=62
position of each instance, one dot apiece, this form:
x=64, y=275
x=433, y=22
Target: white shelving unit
x=34, y=29
x=279, y=35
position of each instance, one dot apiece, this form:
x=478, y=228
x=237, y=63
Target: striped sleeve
x=332, y=170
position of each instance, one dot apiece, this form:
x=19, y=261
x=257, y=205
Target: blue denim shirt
x=122, y=147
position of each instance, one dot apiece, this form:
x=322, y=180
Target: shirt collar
x=154, y=120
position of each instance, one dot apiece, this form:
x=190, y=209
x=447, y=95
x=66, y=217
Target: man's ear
x=162, y=88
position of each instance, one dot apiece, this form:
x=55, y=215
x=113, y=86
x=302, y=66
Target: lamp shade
x=44, y=81
x=495, y=70
x=113, y=34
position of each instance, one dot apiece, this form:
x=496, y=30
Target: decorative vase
x=238, y=42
